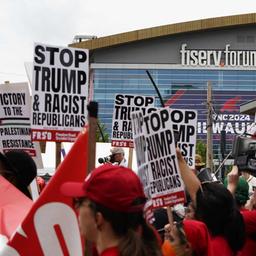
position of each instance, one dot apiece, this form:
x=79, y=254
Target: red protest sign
x=51, y=226
x=11, y=203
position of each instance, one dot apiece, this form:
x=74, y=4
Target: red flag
x=51, y=227
x=11, y=202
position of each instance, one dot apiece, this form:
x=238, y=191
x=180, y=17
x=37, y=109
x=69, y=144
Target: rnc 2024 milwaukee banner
x=226, y=111
x=59, y=92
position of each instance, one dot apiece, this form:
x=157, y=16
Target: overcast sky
x=56, y=22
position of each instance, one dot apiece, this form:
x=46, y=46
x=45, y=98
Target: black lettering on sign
x=117, y=112
x=121, y=134
x=58, y=119
x=158, y=145
x=149, y=101
x=127, y=126
x=52, y=51
x=163, y=167
x=39, y=55
x=17, y=111
x=156, y=120
x=165, y=184
x=137, y=123
x=17, y=143
x=143, y=174
x=64, y=103
x=59, y=80
x=140, y=144
x=12, y=99
x=65, y=56
x=177, y=116
x=80, y=57
x=186, y=148
x=119, y=99
x=125, y=112
x=189, y=160
x=14, y=131
x=184, y=132
x=138, y=101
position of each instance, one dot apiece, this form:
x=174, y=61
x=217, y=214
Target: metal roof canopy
x=248, y=107
x=167, y=30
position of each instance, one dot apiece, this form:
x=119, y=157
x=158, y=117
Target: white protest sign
x=121, y=123
x=156, y=157
x=15, y=130
x=184, y=123
x=60, y=93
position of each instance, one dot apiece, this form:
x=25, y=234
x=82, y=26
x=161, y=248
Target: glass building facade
x=182, y=59
x=185, y=89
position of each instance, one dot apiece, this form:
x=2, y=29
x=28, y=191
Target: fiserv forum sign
x=217, y=58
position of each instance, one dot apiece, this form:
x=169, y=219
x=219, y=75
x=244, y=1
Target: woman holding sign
x=110, y=203
x=215, y=206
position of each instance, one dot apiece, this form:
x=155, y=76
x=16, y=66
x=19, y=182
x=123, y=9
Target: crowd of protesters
x=215, y=222
x=217, y=219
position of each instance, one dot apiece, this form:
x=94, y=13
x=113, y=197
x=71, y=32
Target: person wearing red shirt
x=216, y=207
x=241, y=194
x=110, y=203
x=189, y=237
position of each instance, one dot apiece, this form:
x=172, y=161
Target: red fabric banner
x=12, y=201
x=51, y=226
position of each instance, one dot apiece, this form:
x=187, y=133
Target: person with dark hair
x=187, y=238
x=18, y=168
x=161, y=219
x=110, y=203
x=215, y=206
x=239, y=188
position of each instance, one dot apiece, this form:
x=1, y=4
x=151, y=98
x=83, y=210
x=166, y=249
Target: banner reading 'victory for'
x=15, y=131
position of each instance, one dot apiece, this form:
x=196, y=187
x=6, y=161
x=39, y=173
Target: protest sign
x=184, y=123
x=156, y=158
x=121, y=123
x=51, y=226
x=15, y=129
x=59, y=93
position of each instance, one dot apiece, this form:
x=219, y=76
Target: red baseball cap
x=198, y=236
x=115, y=187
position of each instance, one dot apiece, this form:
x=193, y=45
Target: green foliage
x=102, y=131
x=201, y=149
